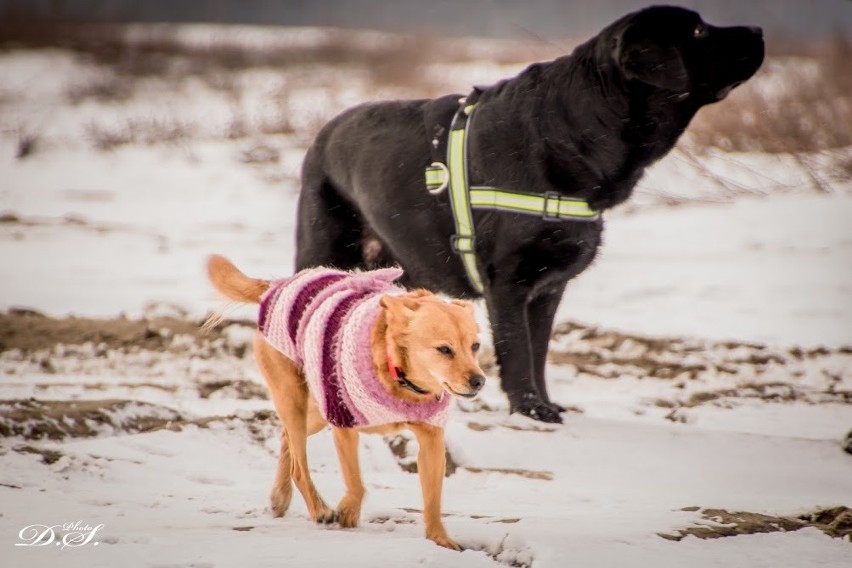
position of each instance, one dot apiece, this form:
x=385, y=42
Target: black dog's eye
x=700, y=30
x=444, y=350
x=474, y=347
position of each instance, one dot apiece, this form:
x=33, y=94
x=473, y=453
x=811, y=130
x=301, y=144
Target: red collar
x=394, y=370
x=399, y=376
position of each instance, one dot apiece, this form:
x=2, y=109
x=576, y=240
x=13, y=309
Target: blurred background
x=138, y=137
x=492, y=18
x=177, y=128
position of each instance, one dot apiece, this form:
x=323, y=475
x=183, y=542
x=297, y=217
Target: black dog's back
x=363, y=184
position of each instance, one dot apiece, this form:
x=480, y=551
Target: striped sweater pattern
x=323, y=319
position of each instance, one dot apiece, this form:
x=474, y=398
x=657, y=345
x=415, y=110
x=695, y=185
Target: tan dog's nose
x=476, y=382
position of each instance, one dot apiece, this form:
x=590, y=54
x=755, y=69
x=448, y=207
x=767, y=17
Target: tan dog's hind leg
x=290, y=396
x=349, y=508
x=282, y=490
x=431, y=465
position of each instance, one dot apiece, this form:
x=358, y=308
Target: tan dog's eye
x=474, y=347
x=700, y=30
x=445, y=350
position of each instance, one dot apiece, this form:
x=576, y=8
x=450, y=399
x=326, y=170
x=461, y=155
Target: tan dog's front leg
x=349, y=508
x=431, y=464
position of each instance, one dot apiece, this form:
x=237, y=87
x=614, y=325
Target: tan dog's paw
x=348, y=513
x=441, y=539
x=326, y=516
x=280, y=499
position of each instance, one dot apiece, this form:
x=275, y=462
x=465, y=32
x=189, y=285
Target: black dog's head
x=672, y=49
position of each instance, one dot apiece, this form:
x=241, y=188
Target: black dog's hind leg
x=541, y=312
x=329, y=229
x=510, y=326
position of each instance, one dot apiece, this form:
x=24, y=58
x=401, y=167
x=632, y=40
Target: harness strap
x=462, y=242
x=464, y=198
x=550, y=206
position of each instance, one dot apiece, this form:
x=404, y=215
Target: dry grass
x=158, y=50
x=147, y=131
x=799, y=104
x=129, y=56
x=260, y=154
x=277, y=121
x=108, y=88
x=796, y=104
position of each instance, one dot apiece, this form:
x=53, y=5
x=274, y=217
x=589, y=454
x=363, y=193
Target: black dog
x=584, y=126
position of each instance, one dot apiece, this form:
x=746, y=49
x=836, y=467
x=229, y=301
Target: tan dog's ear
x=399, y=309
x=419, y=293
x=468, y=306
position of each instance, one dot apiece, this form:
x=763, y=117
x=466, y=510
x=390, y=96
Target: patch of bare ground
x=766, y=392
x=609, y=354
x=155, y=352
x=531, y=427
x=60, y=419
x=836, y=522
x=403, y=447
x=37, y=420
x=239, y=389
x=167, y=354
x=527, y=473
x=48, y=456
x=28, y=330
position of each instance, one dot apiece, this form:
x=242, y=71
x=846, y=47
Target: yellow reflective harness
x=463, y=197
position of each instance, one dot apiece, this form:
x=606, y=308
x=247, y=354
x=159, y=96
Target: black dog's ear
x=654, y=64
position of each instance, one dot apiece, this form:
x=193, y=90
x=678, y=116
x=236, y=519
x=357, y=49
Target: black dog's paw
x=847, y=443
x=539, y=410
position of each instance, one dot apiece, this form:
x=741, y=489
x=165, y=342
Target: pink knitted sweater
x=323, y=320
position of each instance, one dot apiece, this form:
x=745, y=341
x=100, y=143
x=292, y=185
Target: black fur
x=584, y=125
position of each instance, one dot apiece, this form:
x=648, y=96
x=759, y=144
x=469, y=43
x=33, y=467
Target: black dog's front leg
x=510, y=326
x=541, y=312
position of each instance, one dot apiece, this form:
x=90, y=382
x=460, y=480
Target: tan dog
x=420, y=347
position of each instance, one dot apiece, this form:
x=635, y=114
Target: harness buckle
x=546, y=213
x=437, y=178
x=462, y=244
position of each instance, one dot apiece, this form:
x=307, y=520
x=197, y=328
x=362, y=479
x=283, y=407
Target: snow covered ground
x=712, y=370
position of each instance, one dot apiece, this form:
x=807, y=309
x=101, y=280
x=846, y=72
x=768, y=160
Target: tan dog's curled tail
x=233, y=284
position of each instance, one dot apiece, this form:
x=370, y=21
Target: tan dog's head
x=432, y=346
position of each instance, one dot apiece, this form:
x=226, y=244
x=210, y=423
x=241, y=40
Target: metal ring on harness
x=441, y=188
